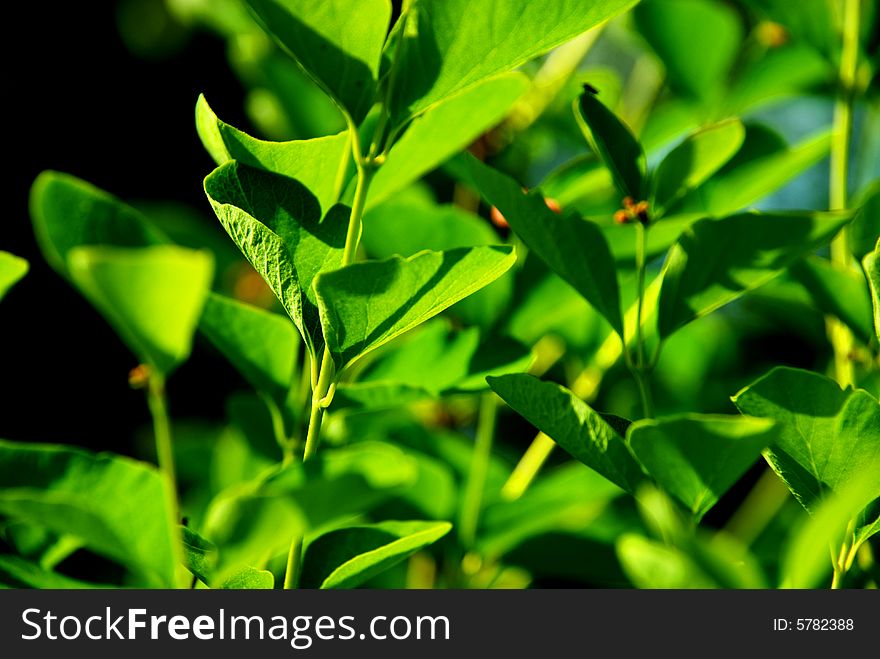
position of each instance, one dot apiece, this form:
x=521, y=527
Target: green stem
x=281, y=438
x=322, y=393
x=472, y=499
x=840, y=336
x=640, y=367
x=841, y=562
x=294, y=564
x=158, y=405
x=528, y=467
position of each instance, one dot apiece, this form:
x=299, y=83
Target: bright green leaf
x=697, y=40
x=449, y=45
x=315, y=163
x=717, y=261
x=67, y=212
x=443, y=131
x=12, y=268
x=277, y=224
x=871, y=264
x=347, y=557
x=615, y=144
x=338, y=43
x=652, y=564
x=572, y=424
x=199, y=555
x=763, y=164
x=253, y=520
x=16, y=572
x=250, y=578
x=365, y=305
x=152, y=296
x=572, y=247
x=262, y=345
x=115, y=505
x=697, y=458
x=693, y=161
x=828, y=435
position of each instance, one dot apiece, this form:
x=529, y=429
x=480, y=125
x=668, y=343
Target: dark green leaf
x=12, y=268
x=336, y=42
x=115, y=505
x=572, y=424
x=697, y=40
x=199, y=555
x=67, y=212
x=347, y=557
x=365, y=305
x=866, y=225
x=449, y=45
x=262, y=345
x=717, y=261
x=315, y=163
x=152, y=296
x=615, y=144
x=697, y=458
x=693, y=161
x=828, y=436
x=837, y=291
x=573, y=248
x=277, y=224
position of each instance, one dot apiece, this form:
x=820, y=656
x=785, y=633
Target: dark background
x=77, y=99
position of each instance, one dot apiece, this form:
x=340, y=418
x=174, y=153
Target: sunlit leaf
x=12, y=268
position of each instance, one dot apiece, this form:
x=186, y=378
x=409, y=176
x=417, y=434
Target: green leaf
x=568, y=498
x=655, y=565
x=115, y=505
x=253, y=520
x=572, y=247
x=152, y=296
x=615, y=144
x=837, y=291
x=336, y=42
x=277, y=225
x=697, y=458
x=12, y=268
x=572, y=424
x=443, y=131
x=805, y=562
x=828, y=436
x=449, y=45
x=365, y=305
x=693, y=161
x=315, y=163
x=346, y=558
x=716, y=261
x=199, y=555
x=871, y=264
x=16, y=572
x=250, y=578
x=697, y=41
x=866, y=225
x=763, y=164
x=262, y=345
x=67, y=212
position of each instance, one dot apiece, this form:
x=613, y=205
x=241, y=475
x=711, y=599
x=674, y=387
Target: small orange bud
x=497, y=218
x=553, y=205
x=139, y=376
x=621, y=216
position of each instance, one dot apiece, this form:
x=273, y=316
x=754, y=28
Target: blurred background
x=106, y=91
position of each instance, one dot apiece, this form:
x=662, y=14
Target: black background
x=76, y=99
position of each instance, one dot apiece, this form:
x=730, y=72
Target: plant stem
x=472, y=499
x=158, y=405
x=325, y=384
x=281, y=438
x=842, y=561
x=528, y=467
x=640, y=368
x=840, y=336
x=294, y=564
